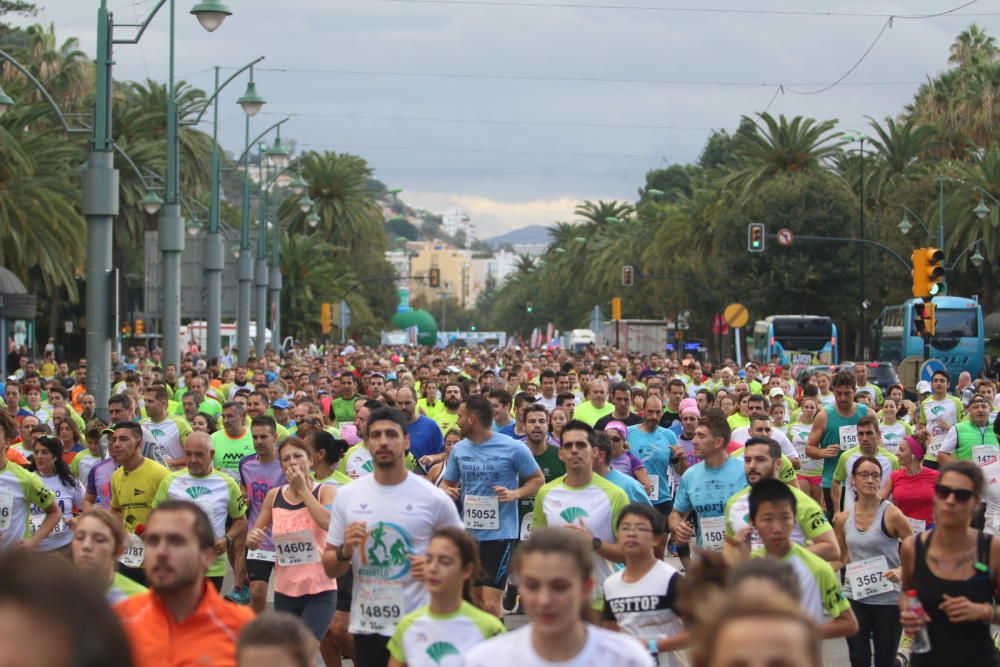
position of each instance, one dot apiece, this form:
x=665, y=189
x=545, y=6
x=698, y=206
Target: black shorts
x=345, y=586
x=259, y=570
x=496, y=557
x=665, y=508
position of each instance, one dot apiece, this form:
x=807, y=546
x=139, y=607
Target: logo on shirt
x=387, y=552
x=571, y=514
x=138, y=492
x=197, y=491
x=937, y=409
x=438, y=651
x=368, y=466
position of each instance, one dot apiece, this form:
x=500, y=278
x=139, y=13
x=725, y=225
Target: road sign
x=929, y=367
x=785, y=237
x=736, y=315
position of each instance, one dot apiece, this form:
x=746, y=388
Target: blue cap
x=280, y=404
x=270, y=376
x=130, y=367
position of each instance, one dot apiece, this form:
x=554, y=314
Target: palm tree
x=65, y=71
x=899, y=147
x=973, y=47
x=781, y=147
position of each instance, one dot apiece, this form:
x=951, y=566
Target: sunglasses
x=961, y=495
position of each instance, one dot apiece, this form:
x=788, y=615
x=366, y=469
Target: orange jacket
x=206, y=637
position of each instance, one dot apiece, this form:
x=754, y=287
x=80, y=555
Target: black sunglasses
x=961, y=495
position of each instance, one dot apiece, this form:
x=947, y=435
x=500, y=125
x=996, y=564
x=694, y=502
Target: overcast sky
x=546, y=105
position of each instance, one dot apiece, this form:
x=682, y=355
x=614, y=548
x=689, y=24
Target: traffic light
x=140, y=327
x=325, y=318
x=529, y=307
x=473, y=327
x=924, y=319
x=616, y=308
x=928, y=274
x=628, y=276
x=755, y=237
x=434, y=277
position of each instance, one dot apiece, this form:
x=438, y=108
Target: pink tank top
x=298, y=548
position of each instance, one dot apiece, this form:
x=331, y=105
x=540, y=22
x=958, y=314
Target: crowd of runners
x=404, y=506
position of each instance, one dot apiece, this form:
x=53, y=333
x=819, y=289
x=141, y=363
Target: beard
x=452, y=404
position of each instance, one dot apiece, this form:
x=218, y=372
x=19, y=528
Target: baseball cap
x=776, y=391
x=280, y=404
x=616, y=426
x=924, y=387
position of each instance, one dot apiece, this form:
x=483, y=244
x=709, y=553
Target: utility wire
x=436, y=149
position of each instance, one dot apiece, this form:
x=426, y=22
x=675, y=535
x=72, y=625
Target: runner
x=448, y=625
x=583, y=502
x=214, y=492
x=835, y=430
x=623, y=459
x=706, y=486
x=893, y=429
x=327, y=452
x=133, y=487
x=19, y=492
x=84, y=462
x=938, y=413
x=482, y=473
x=621, y=399
x=163, y=433
x=298, y=519
x=603, y=453
x=762, y=460
x=772, y=514
x=98, y=543
x=556, y=570
x=642, y=599
x=596, y=405
x=869, y=533
x=233, y=442
x=49, y=465
x=426, y=438
x=259, y=473
x=911, y=488
x=810, y=472
x=972, y=439
x=380, y=527
x=273, y=639
x=869, y=444
x=660, y=452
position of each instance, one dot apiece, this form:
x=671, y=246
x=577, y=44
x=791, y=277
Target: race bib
x=135, y=550
x=848, y=437
x=867, y=577
x=918, y=525
x=38, y=519
x=654, y=495
x=380, y=605
x=6, y=509
x=937, y=439
x=526, y=523
x=984, y=455
x=713, y=532
x=481, y=512
x=261, y=555
x=296, y=548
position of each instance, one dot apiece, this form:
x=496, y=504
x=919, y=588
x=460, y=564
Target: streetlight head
x=6, y=102
x=312, y=218
x=981, y=210
x=305, y=204
x=977, y=258
x=251, y=101
x=193, y=228
x=211, y=14
x=151, y=203
x=904, y=224
x=278, y=154
x=235, y=252
x=298, y=185
x=283, y=180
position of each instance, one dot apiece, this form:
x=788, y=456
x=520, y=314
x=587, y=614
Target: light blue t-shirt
x=630, y=485
x=706, y=490
x=654, y=450
x=500, y=461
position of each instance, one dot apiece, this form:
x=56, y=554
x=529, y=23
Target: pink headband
x=915, y=447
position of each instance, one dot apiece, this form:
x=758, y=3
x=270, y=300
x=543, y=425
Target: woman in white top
x=48, y=463
x=810, y=474
x=893, y=429
x=554, y=570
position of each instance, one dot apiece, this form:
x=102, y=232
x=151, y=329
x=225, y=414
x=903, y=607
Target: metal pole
x=941, y=213
x=215, y=254
x=861, y=271
x=275, y=286
x=100, y=206
x=261, y=273
x=171, y=229
x=246, y=262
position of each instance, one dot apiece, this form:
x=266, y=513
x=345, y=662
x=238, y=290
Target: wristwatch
x=597, y=542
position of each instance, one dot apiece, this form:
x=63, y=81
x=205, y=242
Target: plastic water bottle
x=921, y=642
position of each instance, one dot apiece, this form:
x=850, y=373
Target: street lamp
x=298, y=184
x=981, y=210
x=250, y=100
x=977, y=258
x=278, y=154
x=211, y=14
x=904, y=225
x=151, y=203
x=305, y=204
x=313, y=218
x=6, y=102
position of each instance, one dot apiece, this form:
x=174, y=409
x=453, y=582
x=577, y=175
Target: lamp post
x=860, y=138
x=246, y=263
x=298, y=187
x=215, y=251
x=261, y=268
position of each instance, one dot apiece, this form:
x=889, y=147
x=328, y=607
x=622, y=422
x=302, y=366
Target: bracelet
x=653, y=648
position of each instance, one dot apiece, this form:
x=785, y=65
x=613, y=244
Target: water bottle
x=921, y=642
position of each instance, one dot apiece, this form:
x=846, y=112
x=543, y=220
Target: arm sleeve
x=448, y=513
x=114, y=495
x=395, y=645
x=338, y=522
x=162, y=491
x=237, y=505
x=840, y=473
x=635, y=462
x=451, y=471
x=618, y=502
x=682, y=499
x=787, y=448
x=835, y=602
x=538, y=514
x=812, y=520
x=524, y=462
x=92, y=482
x=950, y=442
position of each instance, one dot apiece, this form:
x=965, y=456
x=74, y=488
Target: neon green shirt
x=423, y=639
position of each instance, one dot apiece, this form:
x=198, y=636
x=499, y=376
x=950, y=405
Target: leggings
x=371, y=650
x=878, y=623
x=315, y=610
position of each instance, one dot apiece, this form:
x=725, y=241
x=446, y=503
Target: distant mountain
x=529, y=234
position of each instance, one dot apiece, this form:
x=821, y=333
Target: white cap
x=923, y=387
x=777, y=391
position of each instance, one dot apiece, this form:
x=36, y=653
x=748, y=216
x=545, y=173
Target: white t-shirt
x=742, y=434
x=992, y=474
x=603, y=647
x=67, y=496
x=645, y=609
x=401, y=519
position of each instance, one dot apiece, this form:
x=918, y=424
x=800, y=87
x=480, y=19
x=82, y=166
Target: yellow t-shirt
x=132, y=493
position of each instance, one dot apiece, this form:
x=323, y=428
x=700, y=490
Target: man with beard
x=239, y=382
x=181, y=620
x=380, y=526
x=483, y=472
x=657, y=447
x=451, y=397
x=426, y=438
